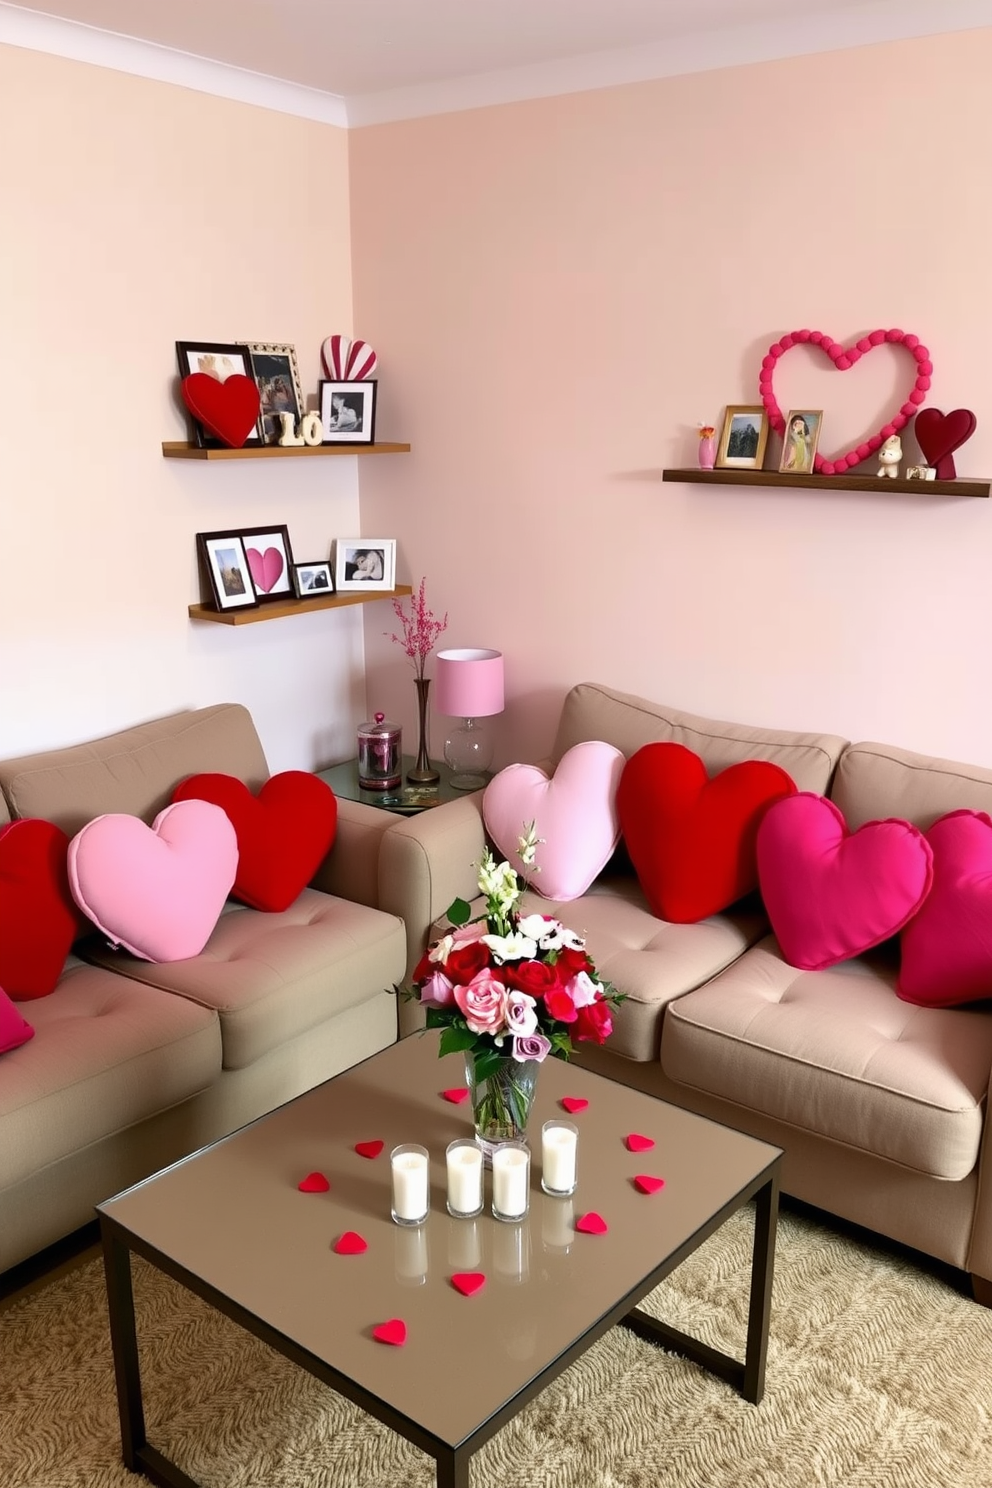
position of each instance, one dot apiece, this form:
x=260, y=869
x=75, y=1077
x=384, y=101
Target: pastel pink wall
x=562, y=289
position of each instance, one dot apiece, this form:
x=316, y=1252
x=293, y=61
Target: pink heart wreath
x=844, y=358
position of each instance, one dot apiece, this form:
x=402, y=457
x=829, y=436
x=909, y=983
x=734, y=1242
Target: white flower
x=542, y=929
x=572, y=941
x=442, y=949
x=528, y=844
x=513, y=947
x=521, y=1019
x=499, y=883
x=582, y=989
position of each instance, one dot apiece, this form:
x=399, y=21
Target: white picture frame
x=364, y=564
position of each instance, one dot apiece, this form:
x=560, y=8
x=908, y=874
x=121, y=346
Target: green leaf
x=459, y=912
x=453, y=1039
x=487, y=1062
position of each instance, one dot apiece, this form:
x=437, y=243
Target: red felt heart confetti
x=468, y=1282
x=592, y=1224
x=457, y=1095
x=392, y=1332
x=647, y=1184
x=313, y=1183
x=369, y=1149
x=574, y=1103
x=350, y=1243
x=636, y=1143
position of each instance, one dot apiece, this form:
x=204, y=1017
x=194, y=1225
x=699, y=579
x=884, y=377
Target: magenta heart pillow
x=14, y=1030
x=830, y=893
x=574, y=814
x=157, y=891
x=947, y=947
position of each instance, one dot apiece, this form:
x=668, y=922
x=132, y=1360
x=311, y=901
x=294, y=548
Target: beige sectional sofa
x=881, y=1106
x=135, y=1064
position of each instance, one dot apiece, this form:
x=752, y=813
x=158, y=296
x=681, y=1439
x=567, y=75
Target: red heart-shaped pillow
x=284, y=833
x=690, y=838
x=38, y=917
x=228, y=409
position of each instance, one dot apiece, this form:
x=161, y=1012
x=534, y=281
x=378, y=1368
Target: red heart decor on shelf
x=648, y=1185
x=313, y=1183
x=574, y=1103
x=38, y=918
x=592, y=1224
x=369, y=1149
x=940, y=434
x=393, y=1332
x=350, y=1243
x=228, y=409
x=637, y=1143
x=468, y=1282
x=456, y=1095
x=844, y=358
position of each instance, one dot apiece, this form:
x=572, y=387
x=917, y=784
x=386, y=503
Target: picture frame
x=799, y=443
x=364, y=563
x=270, y=561
x=214, y=358
x=743, y=438
x=347, y=411
x=226, y=563
x=312, y=579
x=277, y=377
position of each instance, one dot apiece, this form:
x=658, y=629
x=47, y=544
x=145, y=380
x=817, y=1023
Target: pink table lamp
x=468, y=685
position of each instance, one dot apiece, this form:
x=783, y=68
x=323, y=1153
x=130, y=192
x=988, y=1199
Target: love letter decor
x=844, y=358
x=940, y=434
x=347, y=361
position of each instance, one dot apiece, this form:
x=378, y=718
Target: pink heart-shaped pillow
x=830, y=893
x=574, y=812
x=157, y=891
x=947, y=947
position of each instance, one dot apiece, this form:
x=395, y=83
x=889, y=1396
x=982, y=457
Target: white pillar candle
x=464, y=1163
x=411, y=1184
x=511, y=1180
x=559, y=1147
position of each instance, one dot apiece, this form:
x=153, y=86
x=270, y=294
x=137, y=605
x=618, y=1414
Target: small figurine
x=889, y=456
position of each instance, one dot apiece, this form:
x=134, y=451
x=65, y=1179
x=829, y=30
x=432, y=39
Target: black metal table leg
x=124, y=1338
x=759, y=1311
x=452, y=1469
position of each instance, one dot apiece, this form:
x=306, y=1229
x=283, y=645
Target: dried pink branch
x=420, y=628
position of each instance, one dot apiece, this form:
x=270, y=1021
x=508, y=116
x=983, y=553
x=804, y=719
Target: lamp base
x=468, y=753
x=466, y=780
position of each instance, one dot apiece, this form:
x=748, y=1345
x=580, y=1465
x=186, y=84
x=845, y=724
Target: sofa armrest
x=351, y=868
x=980, y=1249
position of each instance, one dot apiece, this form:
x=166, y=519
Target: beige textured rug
x=880, y=1376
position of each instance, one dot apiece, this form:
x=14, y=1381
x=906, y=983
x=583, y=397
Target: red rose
x=465, y=961
x=423, y=968
x=533, y=977
x=594, y=1023
x=570, y=962
x=560, y=1006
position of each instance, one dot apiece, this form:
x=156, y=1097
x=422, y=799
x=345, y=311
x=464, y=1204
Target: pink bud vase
x=707, y=452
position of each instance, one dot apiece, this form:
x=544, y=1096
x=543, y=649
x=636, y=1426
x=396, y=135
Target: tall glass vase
x=502, y=1100
x=423, y=772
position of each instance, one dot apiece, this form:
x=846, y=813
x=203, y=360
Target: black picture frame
x=225, y=564
x=269, y=585
x=311, y=580
x=213, y=357
x=354, y=402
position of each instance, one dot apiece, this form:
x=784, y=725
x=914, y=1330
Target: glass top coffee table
x=231, y=1224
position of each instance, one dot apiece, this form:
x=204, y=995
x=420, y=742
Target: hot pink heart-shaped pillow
x=574, y=813
x=947, y=947
x=157, y=891
x=831, y=893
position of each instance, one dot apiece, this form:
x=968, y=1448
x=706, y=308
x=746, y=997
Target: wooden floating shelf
x=881, y=485
x=180, y=450
x=278, y=609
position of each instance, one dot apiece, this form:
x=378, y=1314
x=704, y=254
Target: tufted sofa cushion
x=838, y=1054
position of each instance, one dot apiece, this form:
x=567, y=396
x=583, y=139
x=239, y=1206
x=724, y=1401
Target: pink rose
x=483, y=1002
x=437, y=990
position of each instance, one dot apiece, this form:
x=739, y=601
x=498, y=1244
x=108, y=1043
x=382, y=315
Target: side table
x=407, y=800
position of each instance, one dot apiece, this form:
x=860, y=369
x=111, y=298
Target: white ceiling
x=389, y=58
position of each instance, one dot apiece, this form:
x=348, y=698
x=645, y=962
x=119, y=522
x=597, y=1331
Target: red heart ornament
x=393, y=1332
x=648, y=1185
x=347, y=361
x=38, y=918
x=468, y=1282
x=350, y=1243
x=313, y=1183
x=574, y=1103
x=940, y=434
x=637, y=1143
x=456, y=1095
x=844, y=358
x=369, y=1149
x=228, y=409
x=284, y=833
x=592, y=1224
x=692, y=839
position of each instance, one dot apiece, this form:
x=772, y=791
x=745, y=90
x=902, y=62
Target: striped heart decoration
x=347, y=361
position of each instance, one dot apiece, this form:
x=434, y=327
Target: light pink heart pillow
x=157, y=891
x=947, y=947
x=574, y=812
x=830, y=893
